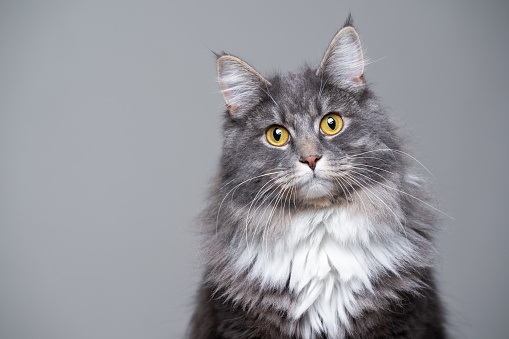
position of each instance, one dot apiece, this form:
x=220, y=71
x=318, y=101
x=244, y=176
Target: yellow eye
x=331, y=124
x=277, y=135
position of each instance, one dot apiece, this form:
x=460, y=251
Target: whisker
x=276, y=197
x=261, y=192
x=344, y=192
x=272, y=195
x=269, y=219
x=377, y=168
x=255, y=199
x=292, y=190
x=351, y=178
x=284, y=202
x=265, y=172
x=237, y=186
x=366, y=152
x=356, y=180
x=381, y=200
x=420, y=163
x=265, y=198
x=392, y=150
x=408, y=194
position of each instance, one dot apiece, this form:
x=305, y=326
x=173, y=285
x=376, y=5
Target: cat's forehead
x=297, y=88
x=296, y=94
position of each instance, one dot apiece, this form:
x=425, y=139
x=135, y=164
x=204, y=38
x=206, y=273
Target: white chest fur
x=330, y=255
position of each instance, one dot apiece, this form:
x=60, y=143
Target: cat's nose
x=310, y=160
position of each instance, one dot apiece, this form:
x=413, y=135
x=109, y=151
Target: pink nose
x=311, y=160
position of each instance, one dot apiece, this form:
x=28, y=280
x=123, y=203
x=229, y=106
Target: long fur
x=341, y=251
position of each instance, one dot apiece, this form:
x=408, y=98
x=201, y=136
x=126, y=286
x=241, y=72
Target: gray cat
x=318, y=225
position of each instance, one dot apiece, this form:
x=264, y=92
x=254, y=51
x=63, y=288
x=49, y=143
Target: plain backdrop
x=110, y=131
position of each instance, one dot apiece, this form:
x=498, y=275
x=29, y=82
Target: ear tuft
x=348, y=21
x=240, y=84
x=343, y=62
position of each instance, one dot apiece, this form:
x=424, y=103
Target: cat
x=318, y=225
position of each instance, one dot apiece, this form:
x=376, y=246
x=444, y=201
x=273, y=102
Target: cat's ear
x=241, y=85
x=343, y=62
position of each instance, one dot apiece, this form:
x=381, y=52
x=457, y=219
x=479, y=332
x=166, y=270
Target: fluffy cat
x=317, y=226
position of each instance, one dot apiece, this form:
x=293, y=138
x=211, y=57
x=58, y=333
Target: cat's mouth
x=315, y=184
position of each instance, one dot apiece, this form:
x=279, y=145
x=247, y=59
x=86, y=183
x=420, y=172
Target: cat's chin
x=316, y=193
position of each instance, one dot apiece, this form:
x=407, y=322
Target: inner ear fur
x=343, y=61
x=241, y=85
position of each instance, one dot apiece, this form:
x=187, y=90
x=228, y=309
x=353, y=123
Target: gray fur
x=245, y=210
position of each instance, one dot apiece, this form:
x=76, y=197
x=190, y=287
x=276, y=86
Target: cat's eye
x=331, y=124
x=277, y=135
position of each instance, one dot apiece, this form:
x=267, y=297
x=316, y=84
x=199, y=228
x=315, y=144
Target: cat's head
x=315, y=137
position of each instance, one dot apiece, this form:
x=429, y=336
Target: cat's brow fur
x=341, y=251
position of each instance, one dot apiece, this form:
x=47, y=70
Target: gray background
x=109, y=133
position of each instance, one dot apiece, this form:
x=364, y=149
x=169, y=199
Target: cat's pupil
x=331, y=122
x=277, y=134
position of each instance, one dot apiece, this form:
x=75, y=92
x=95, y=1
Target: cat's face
x=314, y=137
